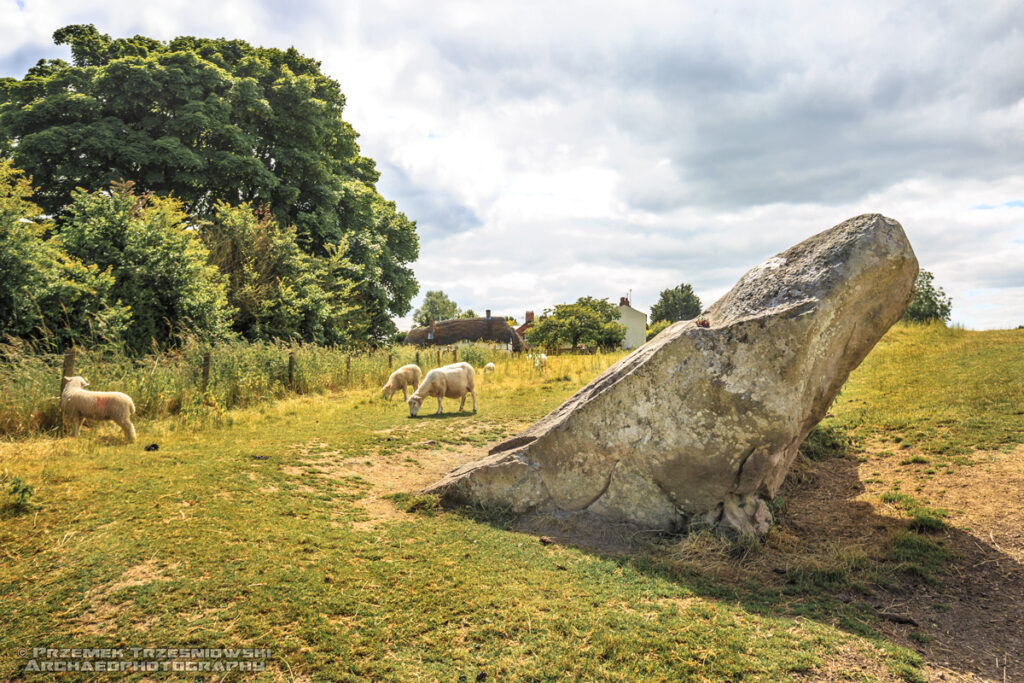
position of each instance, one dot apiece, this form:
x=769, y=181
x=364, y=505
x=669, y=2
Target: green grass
x=942, y=390
x=250, y=527
x=825, y=441
x=245, y=533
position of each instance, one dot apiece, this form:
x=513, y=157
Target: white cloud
x=554, y=150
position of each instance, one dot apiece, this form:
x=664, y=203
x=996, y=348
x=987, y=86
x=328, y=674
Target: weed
x=20, y=491
x=824, y=442
x=927, y=521
x=917, y=556
x=909, y=673
x=922, y=518
x=778, y=507
x=423, y=503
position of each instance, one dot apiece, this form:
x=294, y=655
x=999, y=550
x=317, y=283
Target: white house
x=635, y=322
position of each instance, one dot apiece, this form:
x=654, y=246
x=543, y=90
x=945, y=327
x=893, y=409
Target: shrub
x=47, y=296
x=158, y=262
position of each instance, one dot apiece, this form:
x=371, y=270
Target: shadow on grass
x=443, y=416
x=942, y=592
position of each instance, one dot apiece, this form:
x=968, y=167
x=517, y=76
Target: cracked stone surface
x=701, y=424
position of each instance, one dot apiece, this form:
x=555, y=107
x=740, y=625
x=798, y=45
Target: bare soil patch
x=970, y=621
x=403, y=472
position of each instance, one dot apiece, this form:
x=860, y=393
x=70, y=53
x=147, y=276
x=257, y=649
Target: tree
x=208, y=121
x=468, y=313
x=159, y=265
x=678, y=303
x=277, y=290
x=928, y=302
x=436, y=306
x=46, y=295
x=589, y=321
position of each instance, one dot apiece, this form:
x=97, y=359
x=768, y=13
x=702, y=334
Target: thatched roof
x=466, y=329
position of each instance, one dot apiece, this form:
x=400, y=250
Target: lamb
x=405, y=376
x=489, y=368
x=76, y=404
x=450, y=381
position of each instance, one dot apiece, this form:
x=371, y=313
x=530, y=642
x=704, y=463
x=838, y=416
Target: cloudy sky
x=550, y=150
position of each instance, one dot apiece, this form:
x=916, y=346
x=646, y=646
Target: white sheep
x=489, y=368
x=540, y=361
x=450, y=381
x=77, y=404
x=405, y=376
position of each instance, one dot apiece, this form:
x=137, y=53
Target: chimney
x=488, y=314
x=623, y=301
x=529, y=317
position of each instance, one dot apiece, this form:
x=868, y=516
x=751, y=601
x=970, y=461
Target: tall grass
x=169, y=383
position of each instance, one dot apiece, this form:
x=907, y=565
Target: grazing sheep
x=78, y=404
x=405, y=376
x=489, y=368
x=540, y=360
x=450, y=381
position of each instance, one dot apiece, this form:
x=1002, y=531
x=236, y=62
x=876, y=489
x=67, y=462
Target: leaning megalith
x=702, y=423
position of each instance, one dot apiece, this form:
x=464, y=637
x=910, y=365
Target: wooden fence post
x=69, y=371
x=291, y=370
x=205, y=383
x=69, y=367
x=455, y=355
x=348, y=368
x=391, y=359
x=417, y=358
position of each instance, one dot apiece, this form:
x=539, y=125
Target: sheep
x=450, y=381
x=540, y=361
x=76, y=404
x=489, y=368
x=405, y=376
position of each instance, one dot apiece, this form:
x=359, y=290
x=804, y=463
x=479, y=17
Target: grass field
x=295, y=526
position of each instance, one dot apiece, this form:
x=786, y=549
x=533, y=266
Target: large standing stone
x=703, y=423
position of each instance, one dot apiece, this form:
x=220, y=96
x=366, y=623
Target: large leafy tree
x=160, y=266
x=212, y=120
x=589, y=321
x=677, y=303
x=46, y=295
x=436, y=306
x=929, y=302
